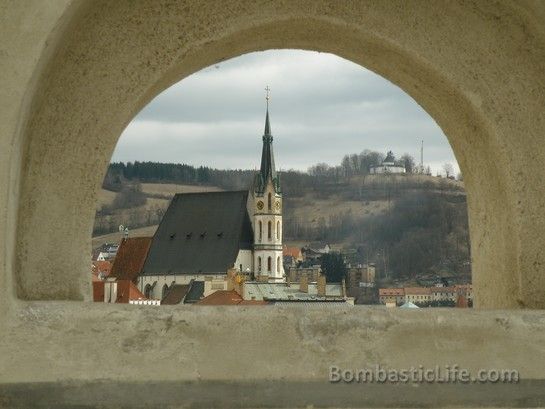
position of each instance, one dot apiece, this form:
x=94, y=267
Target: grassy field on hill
x=157, y=199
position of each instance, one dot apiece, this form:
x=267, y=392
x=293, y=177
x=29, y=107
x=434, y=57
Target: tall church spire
x=267, y=123
x=267, y=171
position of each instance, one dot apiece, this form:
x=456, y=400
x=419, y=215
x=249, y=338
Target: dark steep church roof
x=200, y=233
x=267, y=170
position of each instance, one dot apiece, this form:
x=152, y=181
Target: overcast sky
x=321, y=108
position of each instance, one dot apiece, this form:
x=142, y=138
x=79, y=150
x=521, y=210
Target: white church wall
x=277, y=269
x=161, y=280
x=387, y=169
x=244, y=261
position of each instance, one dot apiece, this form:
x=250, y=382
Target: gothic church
x=202, y=235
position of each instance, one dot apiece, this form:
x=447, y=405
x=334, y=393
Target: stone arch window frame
x=147, y=290
x=260, y=230
x=278, y=230
x=259, y=264
x=278, y=264
x=269, y=201
x=481, y=320
x=269, y=230
x=355, y=57
x=269, y=264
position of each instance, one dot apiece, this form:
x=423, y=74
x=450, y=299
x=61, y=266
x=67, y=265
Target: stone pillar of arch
x=76, y=73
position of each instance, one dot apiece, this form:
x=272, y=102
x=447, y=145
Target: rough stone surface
x=74, y=73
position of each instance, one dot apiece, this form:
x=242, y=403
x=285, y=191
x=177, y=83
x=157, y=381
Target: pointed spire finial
x=267, y=124
x=267, y=96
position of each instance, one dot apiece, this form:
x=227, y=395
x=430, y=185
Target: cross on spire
x=267, y=96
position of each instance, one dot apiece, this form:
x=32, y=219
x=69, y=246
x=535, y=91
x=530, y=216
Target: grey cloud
x=322, y=107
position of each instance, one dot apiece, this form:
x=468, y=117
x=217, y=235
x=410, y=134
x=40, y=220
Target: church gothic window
x=278, y=264
x=278, y=230
x=269, y=203
x=260, y=230
x=164, y=291
x=269, y=264
x=269, y=225
x=259, y=263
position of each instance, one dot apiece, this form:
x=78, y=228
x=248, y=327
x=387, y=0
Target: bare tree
x=408, y=162
x=449, y=169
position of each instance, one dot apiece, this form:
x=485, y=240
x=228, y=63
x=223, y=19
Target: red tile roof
x=100, y=267
x=295, y=252
x=464, y=287
x=176, y=294
x=417, y=290
x=130, y=258
x=227, y=297
x=126, y=291
x=385, y=292
x=443, y=289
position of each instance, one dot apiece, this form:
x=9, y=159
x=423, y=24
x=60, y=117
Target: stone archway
x=111, y=60
x=75, y=73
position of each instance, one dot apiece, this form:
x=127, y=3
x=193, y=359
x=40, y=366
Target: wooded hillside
x=406, y=224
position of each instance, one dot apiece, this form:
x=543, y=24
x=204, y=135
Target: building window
x=278, y=230
x=269, y=226
x=260, y=230
x=241, y=268
x=269, y=264
x=269, y=202
x=278, y=264
x=147, y=291
x=259, y=264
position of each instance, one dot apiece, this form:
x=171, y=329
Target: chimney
x=303, y=283
x=321, y=286
x=239, y=288
x=293, y=274
x=231, y=276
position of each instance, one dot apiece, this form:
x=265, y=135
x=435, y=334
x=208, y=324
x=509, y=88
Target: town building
x=106, y=252
x=311, y=273
x=315, y=251
x=459, y=295
x=304, y=291
x=443, y=294
x=417, y=294
x=292, y=256
x=100, y=270
x=387, y=166
x=361, y=276
x=391, y=295
x=120, y=285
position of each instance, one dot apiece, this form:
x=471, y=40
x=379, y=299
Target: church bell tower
x=267, y=212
